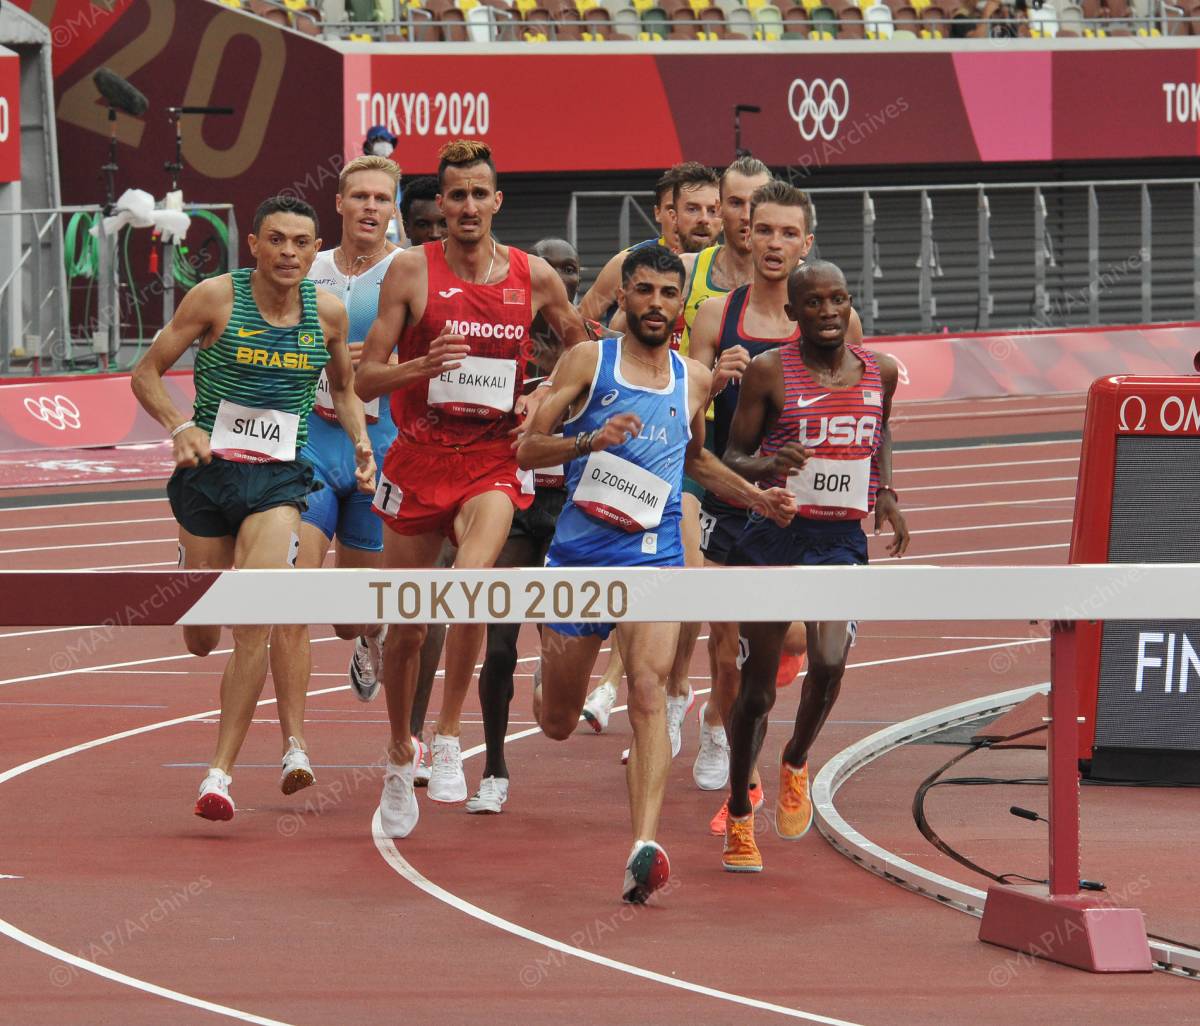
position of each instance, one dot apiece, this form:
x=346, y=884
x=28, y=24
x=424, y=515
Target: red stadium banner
x=867, y=107
x=10, y=116
x=81, y=412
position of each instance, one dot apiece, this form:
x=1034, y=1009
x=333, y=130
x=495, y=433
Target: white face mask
x=382, y=148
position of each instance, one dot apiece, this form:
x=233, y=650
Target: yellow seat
x=235, y=4
x=466, y=5
x=919, y=5
x=641, y=6
x=650, y=37
x=296, y=5
x=582, y=6
x=754, y=5
x=699, y=5
x=357, y=37
x=525, y=6
x=766, y=37
x=811, y=5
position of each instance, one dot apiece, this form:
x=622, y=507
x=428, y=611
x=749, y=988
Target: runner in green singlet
x=238, y=488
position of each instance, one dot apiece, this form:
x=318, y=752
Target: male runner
x=691, y=193
x=634, y=411
x=423, y=221
x=727, y=332
x=813, y=417
x=341, y=508
x=239, y=488
x=528, y=539
x=458, y=313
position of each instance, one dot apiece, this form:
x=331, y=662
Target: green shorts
x=690, y=486
x=212, y=500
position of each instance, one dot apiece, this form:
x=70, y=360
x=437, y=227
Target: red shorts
x=422, y=488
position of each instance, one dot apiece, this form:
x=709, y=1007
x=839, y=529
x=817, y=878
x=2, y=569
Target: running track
x=294, y=913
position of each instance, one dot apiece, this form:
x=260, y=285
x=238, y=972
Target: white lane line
x=97, y=545
x=986, y=484
x=85, y=705
x=81, y=505
x=131, y=566
x=975, y=552
x=87, y=523
x=981, y=505
x=990, y=527
x=984, y=443
x=982, y=466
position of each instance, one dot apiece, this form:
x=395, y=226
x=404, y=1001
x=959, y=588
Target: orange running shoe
x=741, y=854
x=717, y=826
x=794, y=812
x=790, y=667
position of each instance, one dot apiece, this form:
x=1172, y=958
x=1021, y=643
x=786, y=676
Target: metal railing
x=1044, y=261
x=47, y=339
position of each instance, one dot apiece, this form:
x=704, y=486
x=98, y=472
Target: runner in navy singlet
x=813, y=417
x=457, y=313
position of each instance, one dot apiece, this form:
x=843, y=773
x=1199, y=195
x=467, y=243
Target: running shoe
x=647, y=870
x=625, y=757
x=447, y=782
x=366, y=666
x=790, y=667
x=741, y=854
x=421, y=767
x=214, y=801
x=297, y=770
x=794, y=811
x=398, y=809
x=677, y=710
x=717, y=826
x=491, y=796
x=598, y=707
x=710, y=771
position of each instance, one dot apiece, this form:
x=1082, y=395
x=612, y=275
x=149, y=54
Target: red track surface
x=290, y=912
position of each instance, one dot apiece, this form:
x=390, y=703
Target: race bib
x=324, y=403
x=832, y=488
x=388, y=497
x=483, y=387
x=621, y=493
x=244, y=434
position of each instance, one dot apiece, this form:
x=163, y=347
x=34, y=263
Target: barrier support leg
x=1060, y=922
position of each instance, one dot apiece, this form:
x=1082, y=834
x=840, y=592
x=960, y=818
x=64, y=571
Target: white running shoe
x=297, y=770
x=421, y=767
x=710, y=771
x=447, y=783
x=214, y=801
x=366, y=665
x=598, y=707
x=647, y=870
x=491, y=796
x=625, y=757
x=398, y=809
x=677, y=710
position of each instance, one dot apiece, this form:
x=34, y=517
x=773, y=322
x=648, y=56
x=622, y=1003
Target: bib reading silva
x=624, y=507
x=473, y=404
x=842, y=426
x=256, y=384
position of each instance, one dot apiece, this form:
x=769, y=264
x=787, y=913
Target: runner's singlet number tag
x=325, y=407
x=482, y=387
x=248, y=435
x=621, y=493
x=388, y=497
x=832, y=485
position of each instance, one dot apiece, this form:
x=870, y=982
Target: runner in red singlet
x=812, y=416
x=458, y=313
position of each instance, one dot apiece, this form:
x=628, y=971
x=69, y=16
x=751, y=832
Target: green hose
x=186, y=275
x=81, y=248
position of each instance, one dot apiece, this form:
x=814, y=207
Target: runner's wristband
x=583, y=442
x=890, y=490
x=180, y=428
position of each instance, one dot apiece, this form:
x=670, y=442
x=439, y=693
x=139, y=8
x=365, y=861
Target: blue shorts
x=803, y=542
x=598, y=628
x=339, y=508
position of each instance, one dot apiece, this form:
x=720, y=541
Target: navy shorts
x=803, y=542
x=721, y=526
x=213, y=499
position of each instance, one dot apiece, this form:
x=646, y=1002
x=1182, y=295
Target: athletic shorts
x=721, y=525
x=537, y=522
x=339, y=508
x=690, y=486
x=803, y=542
x=213, y=499
x=422, y=488
x=596, y=628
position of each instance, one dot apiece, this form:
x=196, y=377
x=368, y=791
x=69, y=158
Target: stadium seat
x=1070, y=19
x=626, y=24
x=1043, y=23
x=906, y=19
x=361, y=10
x=728, y=6
x=901, y=34
x=656, y=26
x=770, y=22
x=795, y=19
x=712, y=20
x=1092, y=10
x=849, y=24
x=454, y=27
x=878, y=22
x=740, y=23
x=700, y=5
x=307, y=20
x=684, y=24
x=934, y=21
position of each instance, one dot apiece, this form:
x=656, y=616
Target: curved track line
x=387, y=848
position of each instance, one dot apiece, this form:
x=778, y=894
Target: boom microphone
x=119, y=93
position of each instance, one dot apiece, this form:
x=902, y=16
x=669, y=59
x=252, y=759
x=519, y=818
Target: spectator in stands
x=423, y=221
x=972, y=18
x=379, y=142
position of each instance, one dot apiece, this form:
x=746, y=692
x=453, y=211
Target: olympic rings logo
x=820, y=108
x=59, y=412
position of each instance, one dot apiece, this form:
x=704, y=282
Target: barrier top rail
x=881, y=592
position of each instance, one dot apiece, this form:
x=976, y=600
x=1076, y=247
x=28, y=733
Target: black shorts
x=212, y=500
x=537, y=522
x=721, y=525
x=803, y=542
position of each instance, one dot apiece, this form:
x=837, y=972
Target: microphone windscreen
x=120, y=93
